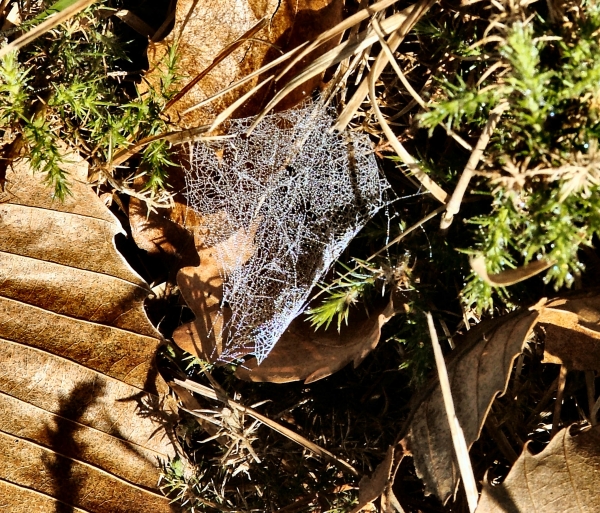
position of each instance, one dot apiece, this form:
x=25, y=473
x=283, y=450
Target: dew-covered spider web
x=302, y=192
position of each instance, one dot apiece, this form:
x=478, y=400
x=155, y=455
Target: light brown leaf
x=572, y=332
x=202, y=289
x=303, y=354
x=201, y=36
x=79, y=393
x=563, y=478
x=370, y=488
x=478, y=371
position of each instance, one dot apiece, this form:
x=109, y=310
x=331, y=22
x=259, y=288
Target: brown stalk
x=560, y=391
x=453, y=205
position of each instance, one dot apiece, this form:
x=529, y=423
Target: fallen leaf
x=572, y=332
x=564, y=477
x=202, y=288
x=303, y=354
x=478, y=370
x=201, y=36
x=81, y=424
x=370, y=488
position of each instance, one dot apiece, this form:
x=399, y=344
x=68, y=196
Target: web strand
x=301, y=194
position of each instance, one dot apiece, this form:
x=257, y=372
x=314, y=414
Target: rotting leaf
x=303, y=354
x=370, y=488
x=478, y=370
x=82, y=423
x=564, y=477
x=572, y=332
x=201, y=35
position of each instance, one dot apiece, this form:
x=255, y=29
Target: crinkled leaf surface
x=80, y=422
x=479, y=370
x=563, y=478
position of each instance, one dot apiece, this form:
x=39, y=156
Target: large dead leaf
x=303, y=354
x=79, y=394
x=479, y=370
x=563, y=478
x=202, y=35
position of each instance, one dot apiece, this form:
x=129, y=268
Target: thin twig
x=453, y=205
x=458, y=437
x=560, y=391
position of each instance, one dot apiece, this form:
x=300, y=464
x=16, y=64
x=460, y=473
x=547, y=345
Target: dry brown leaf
x=202, y=289
x=478, y=370
x=79, y=394
x=303, y=354
x=370, y=488
x=201, y=36
x=563, y=478
x=572, y=332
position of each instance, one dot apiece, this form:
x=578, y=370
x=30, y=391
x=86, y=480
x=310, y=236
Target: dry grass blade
x=178, y=137
x=210, y=393
x=417, y=100
x=344, y=50
x=218, y=59
x=416, y=171
x=458, y=437
x=510, y=276
x=348, y=23
x=461, y=188
x=52, y=21
x=412, y=15
x=225, y=114
x=560, y=392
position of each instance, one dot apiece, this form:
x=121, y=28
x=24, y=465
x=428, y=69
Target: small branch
x=560, y=391
x=458, y=437
x=453, y=205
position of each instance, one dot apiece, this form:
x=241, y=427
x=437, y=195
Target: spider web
x=301, y=193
